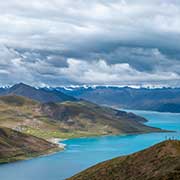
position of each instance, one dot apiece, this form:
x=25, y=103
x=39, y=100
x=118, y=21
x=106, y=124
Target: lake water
x=84, y=152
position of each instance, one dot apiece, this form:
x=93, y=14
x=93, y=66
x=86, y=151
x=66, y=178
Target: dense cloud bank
x=90, y=42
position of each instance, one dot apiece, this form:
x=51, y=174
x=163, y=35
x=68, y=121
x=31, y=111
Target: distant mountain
x=2, y=90
x=15, y=146
x=158, y=99
x=41, y=95
x=159, y=162
x=67, y=119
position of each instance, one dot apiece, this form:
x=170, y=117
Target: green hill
x=67, y=119
x=14, y=100
x=15, y=146
x=159, y=162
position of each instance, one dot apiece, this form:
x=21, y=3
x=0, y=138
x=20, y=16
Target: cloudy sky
x=63, y=42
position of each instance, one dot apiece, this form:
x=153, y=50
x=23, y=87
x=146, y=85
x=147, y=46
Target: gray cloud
x=72, y=25
x=61, y=42
x=17, y=67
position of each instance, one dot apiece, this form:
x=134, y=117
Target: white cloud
x=99, y=72
x=54, y=24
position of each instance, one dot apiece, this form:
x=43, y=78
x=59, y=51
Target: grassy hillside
x=18, y=146
x=67, y=119
x=160, y=162
x=89, y=117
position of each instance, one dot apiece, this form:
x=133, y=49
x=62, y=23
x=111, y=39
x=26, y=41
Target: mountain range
x=155, y=99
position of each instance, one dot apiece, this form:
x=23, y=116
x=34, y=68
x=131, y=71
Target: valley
x=82, y=153
x=68, y=118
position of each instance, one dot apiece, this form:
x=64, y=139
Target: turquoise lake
x=81, y=153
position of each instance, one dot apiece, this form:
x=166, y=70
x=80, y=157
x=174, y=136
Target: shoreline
x=61, y=146
x=58, y=142
x=34, y=155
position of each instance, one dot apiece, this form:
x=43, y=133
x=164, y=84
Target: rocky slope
x=15, y=146
x=159, y=162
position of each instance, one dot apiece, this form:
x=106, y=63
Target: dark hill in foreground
x=159, y=162
x=15, y=146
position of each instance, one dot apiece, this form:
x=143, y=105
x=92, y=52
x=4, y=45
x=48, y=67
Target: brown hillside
x=159, y=162
x=67, y=119
x=18, y=146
